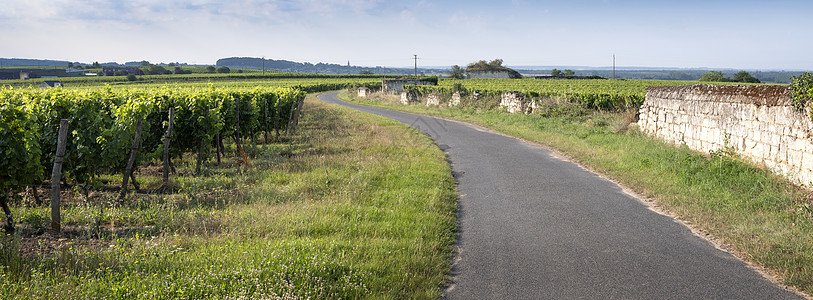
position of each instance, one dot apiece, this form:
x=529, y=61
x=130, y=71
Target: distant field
x=226, y=79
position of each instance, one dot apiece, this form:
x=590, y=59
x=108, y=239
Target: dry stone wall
x=758, y=122
x=396, y=86
x=455, y=99
x=433, y=99
x=516, y=102
x=409, y=97
x=363, y=92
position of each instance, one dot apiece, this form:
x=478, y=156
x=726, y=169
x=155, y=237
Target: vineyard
x=589, y=93
x=253, y=79
x=103, y=126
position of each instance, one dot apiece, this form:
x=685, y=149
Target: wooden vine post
x=167, y=143
x=290, y=119
x=128, y=170
x=265, y=119
x=218, y=149
x=237, y=123
x=56, y=174
x=276, y=117
x=296, y=111
x=201, y=148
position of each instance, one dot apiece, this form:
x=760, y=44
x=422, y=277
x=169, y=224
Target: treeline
x=717, y=76
x=763, y=76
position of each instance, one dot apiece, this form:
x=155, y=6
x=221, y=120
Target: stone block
x=363, y=92
x=783, y=153
x=797, y=145
x=782, y=116
x=773, y=153
x=409, y=97
x=433, y=99
x=807, y=161
x=455, y=99
x=795, y=157
x=775, y=139
x=763, y=114
x=513, y=102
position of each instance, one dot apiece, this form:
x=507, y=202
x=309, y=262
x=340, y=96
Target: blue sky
x=712, y=33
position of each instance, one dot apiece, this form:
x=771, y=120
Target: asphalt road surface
x=533, y=226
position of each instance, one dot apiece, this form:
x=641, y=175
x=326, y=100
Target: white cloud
x=463, y=19
x=407, y=16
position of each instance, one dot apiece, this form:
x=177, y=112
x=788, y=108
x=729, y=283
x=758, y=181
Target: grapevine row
x=102, y=126
x=590, y=93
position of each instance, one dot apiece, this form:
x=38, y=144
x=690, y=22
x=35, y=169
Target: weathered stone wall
x=516, y=102
x=433, y=99
x=489, y=75
x=363, y=92
x=396, y=86
x=758, y=122
x=455, y=99
x=409, y=97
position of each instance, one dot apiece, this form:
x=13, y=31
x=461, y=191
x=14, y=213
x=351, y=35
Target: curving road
x=533, y=226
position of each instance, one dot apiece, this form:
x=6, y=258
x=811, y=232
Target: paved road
x=536, y=227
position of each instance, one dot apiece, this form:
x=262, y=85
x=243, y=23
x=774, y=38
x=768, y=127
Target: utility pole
x=416, y=66
x=263, y=65
x=613, y=66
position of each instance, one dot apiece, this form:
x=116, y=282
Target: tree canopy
x=457, y=72
x=717, y=76
x=743, y=76
x=494, y=65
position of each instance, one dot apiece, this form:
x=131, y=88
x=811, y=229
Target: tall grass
x=353, y=206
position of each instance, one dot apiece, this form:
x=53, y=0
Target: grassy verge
x=353, y=206
x=760, y=217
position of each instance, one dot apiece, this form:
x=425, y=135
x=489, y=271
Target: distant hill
x=664, y=73
x=25, y=62
x=323, y=68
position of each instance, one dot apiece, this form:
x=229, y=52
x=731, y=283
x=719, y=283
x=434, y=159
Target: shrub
x=801, y=88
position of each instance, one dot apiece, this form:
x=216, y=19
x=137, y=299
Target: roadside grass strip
x=352, y=206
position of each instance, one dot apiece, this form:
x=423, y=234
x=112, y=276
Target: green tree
x=714, y=76
x=153, y=69
x=223, y=69
x=569, y=73
x=482, y=65
x=131, y=77
x=210, y=69
x=494, y=65
x=556, y=73
x=95, y=64
x=365, y=72
x=457, y=72
x=743, y=76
